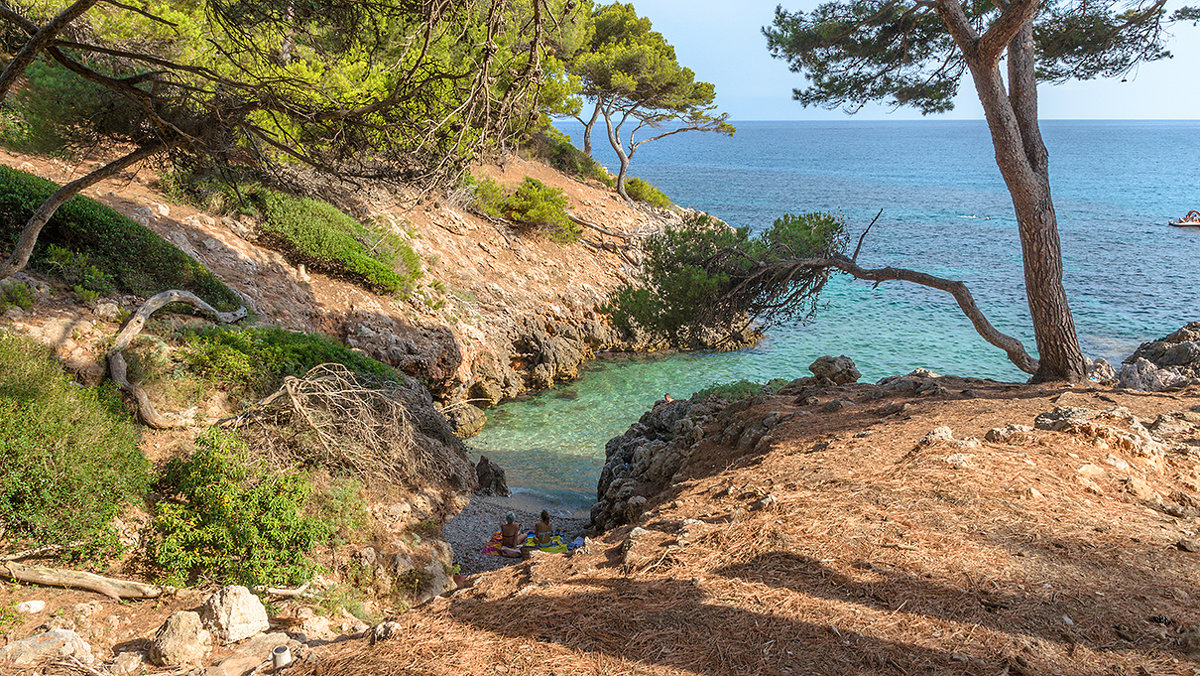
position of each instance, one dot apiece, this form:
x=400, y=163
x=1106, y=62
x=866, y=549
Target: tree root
x=118, y=369
x=75, y=579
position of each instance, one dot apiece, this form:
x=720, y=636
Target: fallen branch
x=119, y=371
x=593, y=226
x=75, y=579
x=45, y=549
x=298, y=592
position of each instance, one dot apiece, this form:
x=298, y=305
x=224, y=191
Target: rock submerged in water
x=840, y=370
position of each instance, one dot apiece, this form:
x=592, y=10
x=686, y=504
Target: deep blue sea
x=1129, y=276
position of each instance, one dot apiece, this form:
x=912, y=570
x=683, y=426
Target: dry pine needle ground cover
x=878, y=554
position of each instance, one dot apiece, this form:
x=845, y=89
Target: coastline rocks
x=41, y=648
x=466, y=419
x=1101, y=372
x=1169, y=362
x=181, y=641
x=840, y=370
x=491, y=478
x=233, y=613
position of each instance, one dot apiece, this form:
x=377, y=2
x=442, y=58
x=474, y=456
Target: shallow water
x=1129, y=276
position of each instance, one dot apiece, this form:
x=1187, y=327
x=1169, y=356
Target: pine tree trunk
x=1021, y=157
x=587, y=129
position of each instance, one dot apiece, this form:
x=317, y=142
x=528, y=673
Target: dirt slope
x=844, y=545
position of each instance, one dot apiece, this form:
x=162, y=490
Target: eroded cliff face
x=497, y=313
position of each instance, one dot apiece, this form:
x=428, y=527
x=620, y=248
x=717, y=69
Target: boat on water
x=1192, y=220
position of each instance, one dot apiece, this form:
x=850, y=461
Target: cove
x=1129, y=276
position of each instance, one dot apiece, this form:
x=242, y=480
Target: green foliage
x=78, y=269
x=69, y=459
x=15, y=294
x=556, y=148
x=646, y=192
x=257, y=359
x=740, y=389
x=536, y=203
x=227, y=517
x=107, y=248
x=329, y=240
x=9, y=617
x=343, y=508
x=488, y=196
x=705, y=271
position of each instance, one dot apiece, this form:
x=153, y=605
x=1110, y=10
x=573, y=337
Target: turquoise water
x=1129, y=276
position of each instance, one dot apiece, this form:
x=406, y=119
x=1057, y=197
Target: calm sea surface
x=1129, y=276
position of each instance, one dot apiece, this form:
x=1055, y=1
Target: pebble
x=31, y=607
x=1189, y=545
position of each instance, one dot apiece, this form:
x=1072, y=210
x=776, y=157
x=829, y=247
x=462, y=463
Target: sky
x=722, y=41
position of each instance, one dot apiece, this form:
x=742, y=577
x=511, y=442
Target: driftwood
x=44, y=549
x=119, y=371
x=75, y=579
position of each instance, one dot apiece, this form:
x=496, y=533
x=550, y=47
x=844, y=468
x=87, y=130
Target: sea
x=1129, y=276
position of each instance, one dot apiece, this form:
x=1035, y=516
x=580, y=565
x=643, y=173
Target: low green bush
x=488, y=196
x=257, y=359
x=228, y=518
x=646, y=192
x=329, y=240
x=536, y=203
x=556, y=148
x=15, y=294
x=741, y=389
x=69, y=458
x=107, y=246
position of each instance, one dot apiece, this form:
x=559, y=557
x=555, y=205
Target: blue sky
x=722, y=41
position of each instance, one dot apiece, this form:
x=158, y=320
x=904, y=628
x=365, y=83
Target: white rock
x=107, y=310
x=181, y=640
x=31, y=607
x=1144, y=375
x=233, y=613
x=162, y=210
x=40, y=648
x=1091, y=471
x=937, y=434
x=129, y=664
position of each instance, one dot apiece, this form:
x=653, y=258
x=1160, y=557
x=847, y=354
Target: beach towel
x=492, y=548
x=554, y=546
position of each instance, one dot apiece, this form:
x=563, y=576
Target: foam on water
x=946, y=211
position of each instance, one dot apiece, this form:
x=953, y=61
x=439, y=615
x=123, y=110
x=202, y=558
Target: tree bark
x=37, y=42
x=75, y=579
x=116, y=358
x=33, y=227
x=589, y=125
x=1023, y=162
x=614, y=139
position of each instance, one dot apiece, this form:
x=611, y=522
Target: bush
x=488, y=196
x=644, y=191
x=329, y=240
x=15, y=294
x=740, y=389
x=556, y=148
x=106, y=246
x=69, y=458
x=536, y=203
x=228, y=517
x=258, y=359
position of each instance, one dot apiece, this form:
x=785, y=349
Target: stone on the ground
x=1102, y=372
x=31, y=607
x=40, y=648
x=840, y=370
x=1190, y=545
x=491, y=478
x=253, y=654
x=129, y=664
x=937, y=434
x=1142, y=374
x=233, y=613
x=181, y=641
x=1141, y=490
x=385, y=631
x=467, y=420
x=108, y=311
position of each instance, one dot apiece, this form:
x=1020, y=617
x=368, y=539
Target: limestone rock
x=129, y=664
x=840, y=370
x=31, y=607
x=253, y=654
x=1016, y=435
x=1141, y=490
x=491, y=478
x=385, y=632
x=1100, y=371
x=1142, y=374
x=182, y=640
x=937, y=434
x=233, y=614
x=50, y=645
x=1180, y=350
x=467, y=420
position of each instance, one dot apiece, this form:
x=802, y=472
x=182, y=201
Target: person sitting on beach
x=512, y=537
x=542, y=529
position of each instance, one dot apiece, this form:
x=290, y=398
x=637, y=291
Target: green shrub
x=109, y=247
x=556, y=148
x=257, y=359
x=69, y=458
x=536, y=203
x=343, y=508
x=740, y=389
x=15, y=293
x=78, y=270
x=644, y=191
x=329, y=240
x=228, y=518
x=488, y=196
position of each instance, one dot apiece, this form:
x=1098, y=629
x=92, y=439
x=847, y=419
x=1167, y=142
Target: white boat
x=1192, y=220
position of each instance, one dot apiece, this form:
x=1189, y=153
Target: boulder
x=937, y=434
x=466, y=419
x=40, y=648
x=840, y=370
x=129, y=664
x=233, y=614
x=1142, y=374
x=1180, y=350
x=181, y=641
x=491, y=478
x=1101, y=372
x=31, y=607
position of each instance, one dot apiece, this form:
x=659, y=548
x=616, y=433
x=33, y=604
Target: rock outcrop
x=1167, y=363
x=840, y=370
x=491, y=478
x=48, y=646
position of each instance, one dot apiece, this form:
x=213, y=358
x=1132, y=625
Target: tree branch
x=38, y=42
x=1005, y=28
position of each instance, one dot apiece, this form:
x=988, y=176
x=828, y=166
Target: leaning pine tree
x=916, y=52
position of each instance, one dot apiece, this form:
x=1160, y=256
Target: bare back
x=509, y=533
